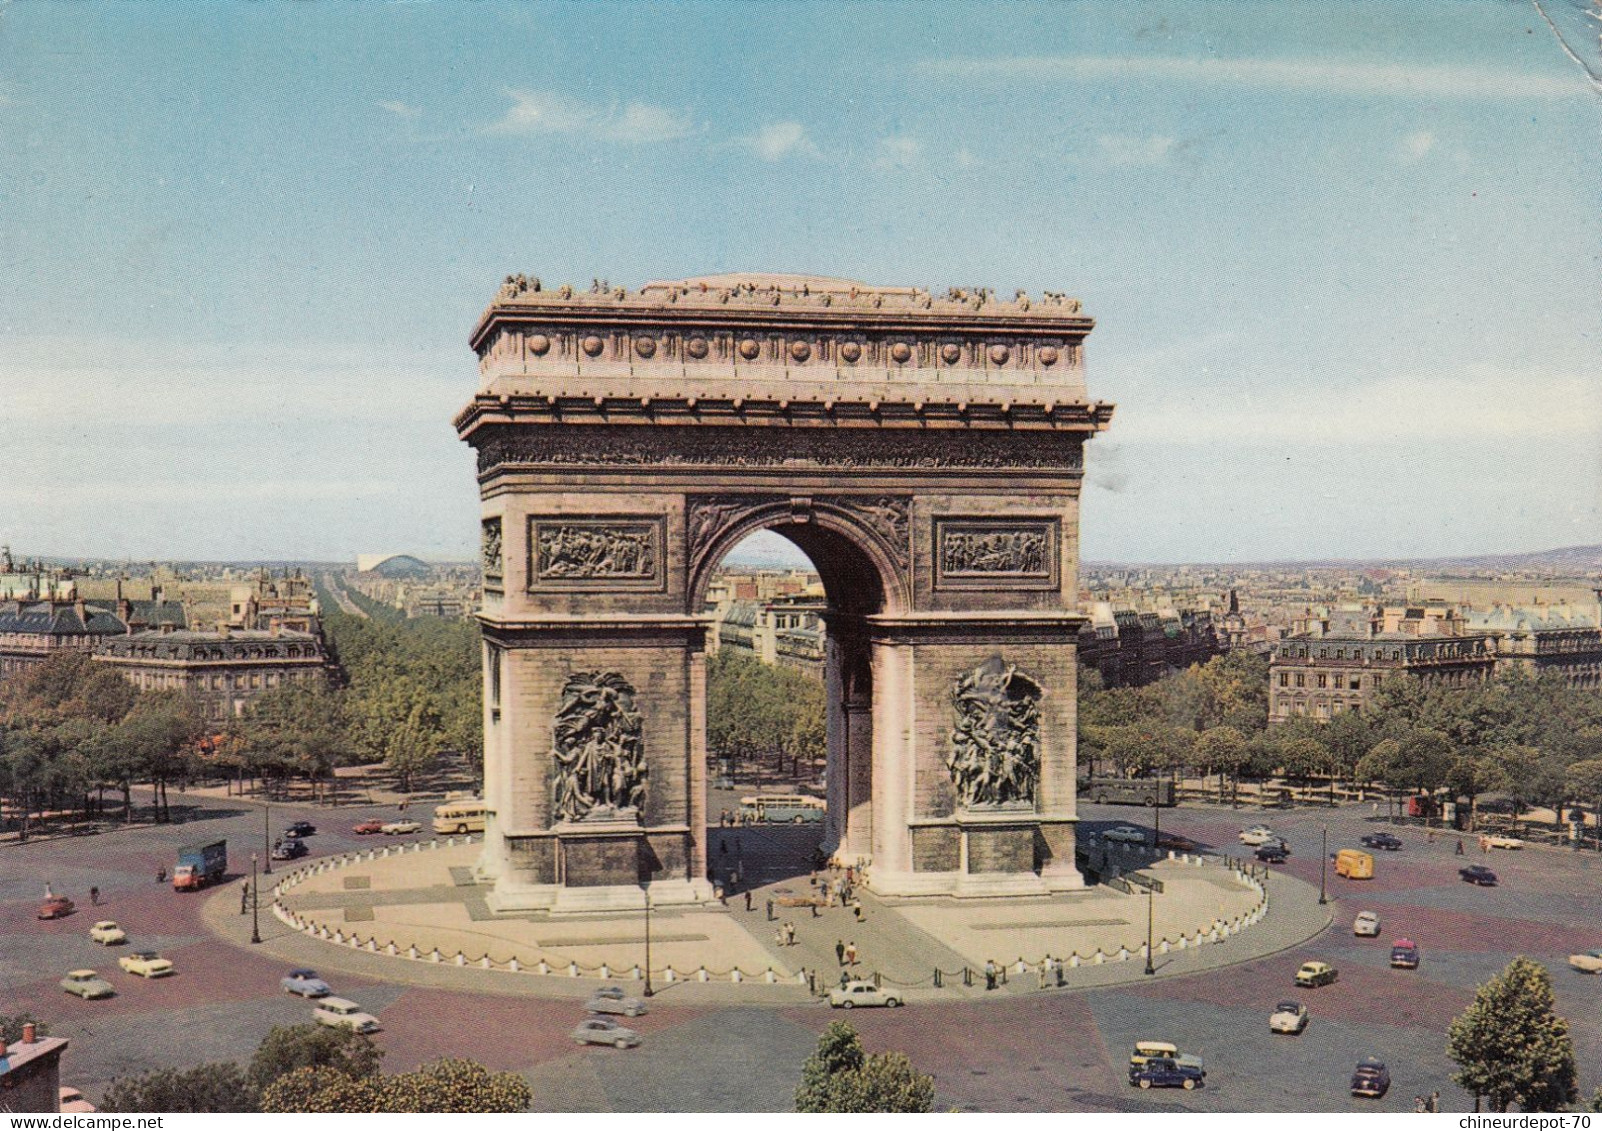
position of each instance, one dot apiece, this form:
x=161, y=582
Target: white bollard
x=669, y=975
x=411, y=951
x=461, y=959
x=606, y=971
x=734, y=975
x=701, y=975
x=572, y=969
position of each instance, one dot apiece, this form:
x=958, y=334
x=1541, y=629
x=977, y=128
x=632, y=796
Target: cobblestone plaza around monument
x=725, y=1047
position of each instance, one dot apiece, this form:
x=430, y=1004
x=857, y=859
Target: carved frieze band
x=719, y=446
x=609, y=553
x=490, y=551
x=996, y=553
x=889, y=517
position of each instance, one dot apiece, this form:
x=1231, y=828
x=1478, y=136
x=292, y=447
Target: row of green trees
x=71, y=730
x=756, y=711
x=1534, y=738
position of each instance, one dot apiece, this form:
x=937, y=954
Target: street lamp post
x=255, y=902
x=1323, y=865
x=1151, y=896
x=647, y=888
x=266, y=827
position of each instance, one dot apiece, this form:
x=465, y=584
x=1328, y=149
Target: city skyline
x=248, y=248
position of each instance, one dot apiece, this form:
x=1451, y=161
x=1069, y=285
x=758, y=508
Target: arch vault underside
x=925, y=453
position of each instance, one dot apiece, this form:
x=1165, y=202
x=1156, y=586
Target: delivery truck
x=199, y=865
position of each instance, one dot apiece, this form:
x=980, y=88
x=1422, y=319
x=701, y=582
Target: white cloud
x=535, y=113
x=779, y=140
x=1416, y=145
x=1479, y=407
x=1325, y=76
x=399, y=109
x=1124, y=150
x=898, y=152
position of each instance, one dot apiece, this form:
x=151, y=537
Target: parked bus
x=1127, y=791
x=782, y=808
x=461, y=816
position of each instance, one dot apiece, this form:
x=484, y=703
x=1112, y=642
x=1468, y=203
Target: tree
x=289, y=1047
x=841, y=1078
x=1221, y=750
x=218, y=1087
x=1511, y=1047
x=11, y=1027
x=446, y=1086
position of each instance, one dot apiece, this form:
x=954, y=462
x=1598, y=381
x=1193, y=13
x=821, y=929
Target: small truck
x=199, y=865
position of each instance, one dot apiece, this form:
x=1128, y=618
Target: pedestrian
x=778, y=936
x=814, y=906
x=1458, y=851
x=1045, y=972
x=748, y=900
x=845, y=978
x=789, y=934
x=244, y=896
x=856, y=908
x=48, y=893
x=1419, y=1105
x=851, y=953
x=94, y=897
x=770, y=910
x=161, y=875
x=839, y=951
x=1435, y=1101
x=1430, y=836
x=990, y=974
x=723, y=847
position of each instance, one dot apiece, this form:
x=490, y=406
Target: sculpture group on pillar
x=995, y=743
x=598, y=749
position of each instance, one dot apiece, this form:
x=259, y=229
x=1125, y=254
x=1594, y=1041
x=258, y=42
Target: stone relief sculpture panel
x=490, y=549
x=600, y=552
x=995, y=743
x=888, y=516
x=992, y=554
x=598, y=750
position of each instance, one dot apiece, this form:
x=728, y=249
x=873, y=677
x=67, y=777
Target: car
x=56, y=907
x=400, y=828
x=1382, y=840
x=304, y=982
x=1272, y=853
x=1288, y=1017
x=1371, y=1078
x=1259, y=834
x=146, y=963
x=1315, y=974
x=1588, y=963
x=1165, y=1072
x=605, y=1031
x=290, y=850
x=1499, y=840
x=1478, y=874
x=368, y=827
x=1404, y=954
x=1125, y=834
x=71, y=1101
x=612, y=999
x=300, y=829
x=341, y=1013
x=87, y=984
x=1366, y=925
x=106, y=933
x=854, y=994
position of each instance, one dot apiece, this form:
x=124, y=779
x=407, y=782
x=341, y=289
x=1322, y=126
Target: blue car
x=306, y=983
x=1163, y=1072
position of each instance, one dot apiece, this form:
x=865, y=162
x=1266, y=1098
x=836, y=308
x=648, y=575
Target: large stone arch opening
x=925, y=454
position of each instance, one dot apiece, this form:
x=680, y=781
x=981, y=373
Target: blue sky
x=1344, y=258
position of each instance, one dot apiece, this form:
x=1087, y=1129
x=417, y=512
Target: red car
x=55, y=907
x=367, y=828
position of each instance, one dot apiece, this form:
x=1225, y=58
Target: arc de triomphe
x=926, y=452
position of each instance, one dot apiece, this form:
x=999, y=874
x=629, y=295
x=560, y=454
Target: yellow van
x=460, y=817
x=1354, y=865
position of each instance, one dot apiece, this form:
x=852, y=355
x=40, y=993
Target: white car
x=1288, y=1017
x=106, y=933
x=605, y=1031
x=146, y=964
x=1258, y=834
x=854, y=994
x=341, y=1013
x=1125, y=834
x=1588, y=963
x=1366, y=925
x=401, y=828
x=1499, y=841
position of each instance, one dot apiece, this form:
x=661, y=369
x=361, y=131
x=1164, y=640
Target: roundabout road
x=1019, y=1050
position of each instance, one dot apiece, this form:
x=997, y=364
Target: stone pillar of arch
x=925, y=452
